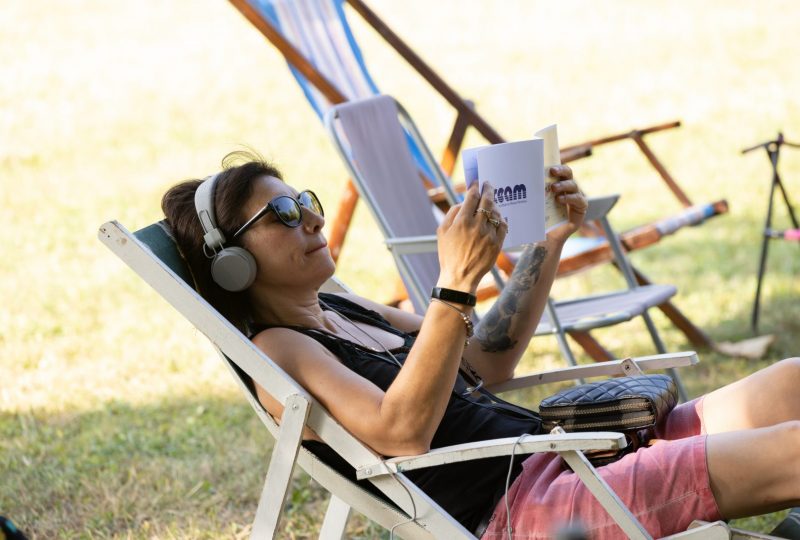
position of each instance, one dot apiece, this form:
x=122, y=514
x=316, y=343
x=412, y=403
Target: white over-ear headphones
x=232, y=268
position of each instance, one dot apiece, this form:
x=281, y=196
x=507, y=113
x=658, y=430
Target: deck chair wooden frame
x=152, y=254
x=369, y=135
x=467, y=116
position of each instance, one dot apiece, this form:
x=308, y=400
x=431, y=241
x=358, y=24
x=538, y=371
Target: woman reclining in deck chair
x=403, y=383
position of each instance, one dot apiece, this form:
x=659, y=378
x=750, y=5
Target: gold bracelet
x=467, y=320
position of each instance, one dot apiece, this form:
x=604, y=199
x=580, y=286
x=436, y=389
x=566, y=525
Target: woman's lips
x=324, y=244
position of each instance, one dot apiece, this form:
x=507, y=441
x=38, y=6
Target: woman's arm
x=403, y=419
x=503, y=333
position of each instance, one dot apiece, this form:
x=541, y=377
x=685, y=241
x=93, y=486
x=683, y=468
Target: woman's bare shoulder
x=287, y=346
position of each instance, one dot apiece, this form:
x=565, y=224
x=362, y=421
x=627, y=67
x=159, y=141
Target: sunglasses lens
x=287, y=210
x=309, y=200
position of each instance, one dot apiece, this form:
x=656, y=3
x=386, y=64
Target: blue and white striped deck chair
x=315, y=38
x=369, y=134
x=319, y=30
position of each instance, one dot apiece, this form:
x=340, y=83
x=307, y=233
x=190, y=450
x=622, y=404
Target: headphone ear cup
x=233, y=269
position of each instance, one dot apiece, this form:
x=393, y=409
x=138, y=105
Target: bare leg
x=765, y=398
x=755, y=471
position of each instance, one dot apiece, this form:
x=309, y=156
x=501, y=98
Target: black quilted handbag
x=630, y=405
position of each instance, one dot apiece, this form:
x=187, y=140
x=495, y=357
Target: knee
x=790, y=441
x=791, y=363
x=790, y=436
x=788, y=370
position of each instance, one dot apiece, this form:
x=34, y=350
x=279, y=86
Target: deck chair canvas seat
x=315, y=38
x=369, y=135
x=152, y=254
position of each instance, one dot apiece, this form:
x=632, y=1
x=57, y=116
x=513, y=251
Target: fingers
x=450, y=216
x=501, y=230
x=560, y=172
x=563, y=186
x=471, y=199
x=487, y=197
x=566, y=191
x=576, y=202
x=478, y=202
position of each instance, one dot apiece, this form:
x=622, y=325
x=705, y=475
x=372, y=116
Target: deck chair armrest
x=562, y=442
x=599, y=207
x=601, y=369
x=623, y=136
x=412, y=244
x=576, y=152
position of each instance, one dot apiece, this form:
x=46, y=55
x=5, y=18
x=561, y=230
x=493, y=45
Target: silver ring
x=494, y=222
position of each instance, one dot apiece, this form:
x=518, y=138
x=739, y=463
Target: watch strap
x=451, y=295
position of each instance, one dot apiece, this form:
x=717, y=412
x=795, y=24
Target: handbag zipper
x=583, y=410
x=614, y=423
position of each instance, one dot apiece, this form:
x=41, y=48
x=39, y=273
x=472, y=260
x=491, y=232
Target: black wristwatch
x=450, y=295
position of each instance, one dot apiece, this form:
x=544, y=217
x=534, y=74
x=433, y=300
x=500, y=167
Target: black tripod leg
x=762, y=265
x=788, y=204
x=773, y=151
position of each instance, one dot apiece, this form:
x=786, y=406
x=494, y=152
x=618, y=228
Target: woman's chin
x=326, y=270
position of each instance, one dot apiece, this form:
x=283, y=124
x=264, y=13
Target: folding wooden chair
x=403, y=507
x=315, y=38
x=370, y=137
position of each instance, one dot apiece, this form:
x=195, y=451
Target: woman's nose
x=312, y=221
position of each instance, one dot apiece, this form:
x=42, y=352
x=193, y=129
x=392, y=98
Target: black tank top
x=469, y=490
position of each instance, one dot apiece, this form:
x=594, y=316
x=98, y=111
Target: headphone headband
x=204, y=205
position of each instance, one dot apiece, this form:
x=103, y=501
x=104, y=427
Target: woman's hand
x=566, y=192
x=470, y=238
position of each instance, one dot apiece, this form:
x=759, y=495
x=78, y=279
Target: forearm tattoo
x=494, y=330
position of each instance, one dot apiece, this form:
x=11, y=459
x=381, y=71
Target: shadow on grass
x=185, y=468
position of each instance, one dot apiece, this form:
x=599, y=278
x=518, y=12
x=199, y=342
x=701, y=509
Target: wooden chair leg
x=592, y=347
x=638, y=138
x=344, y=214
x=448, y=160
x=694, y=334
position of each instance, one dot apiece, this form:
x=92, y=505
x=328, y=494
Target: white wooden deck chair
x=152, y=254
x=370, y=137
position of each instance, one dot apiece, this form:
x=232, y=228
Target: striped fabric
x=319, y=30
x=694, y=215
x=386, y=177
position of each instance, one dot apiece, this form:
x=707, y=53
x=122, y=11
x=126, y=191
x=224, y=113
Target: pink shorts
x=666, y=486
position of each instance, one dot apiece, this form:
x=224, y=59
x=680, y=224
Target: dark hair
x=233, y=188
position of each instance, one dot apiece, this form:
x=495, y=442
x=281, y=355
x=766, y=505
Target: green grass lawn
x=116, y=418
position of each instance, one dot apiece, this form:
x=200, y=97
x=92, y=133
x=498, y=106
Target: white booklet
x=518, y=173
